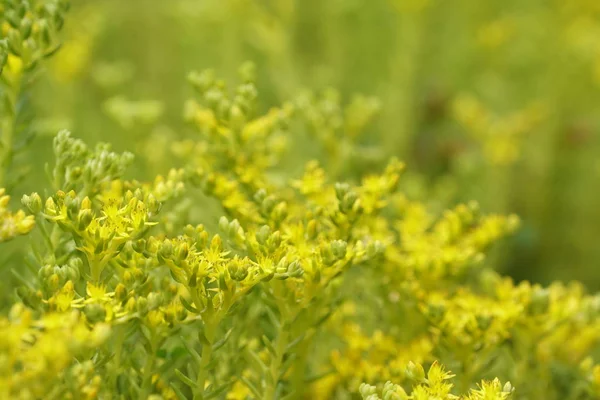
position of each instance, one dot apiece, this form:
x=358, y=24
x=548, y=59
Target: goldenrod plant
x=252, y=267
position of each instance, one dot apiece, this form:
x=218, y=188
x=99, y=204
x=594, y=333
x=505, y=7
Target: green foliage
x=251, y=266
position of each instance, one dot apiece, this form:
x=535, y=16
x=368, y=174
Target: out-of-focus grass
x=490, y=100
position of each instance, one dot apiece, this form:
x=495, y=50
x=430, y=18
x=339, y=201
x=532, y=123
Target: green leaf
x=188, y=306
x=197, y=358
x=185, y=379
x=269, y=345
x=251, y=386
x=294, y=342
x=217, y=391
x=178, y=392
x=221, y=342
x=254, y=358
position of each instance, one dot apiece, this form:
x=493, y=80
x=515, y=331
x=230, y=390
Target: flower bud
x=166, y=249
x=53, y=281
x=86, y=203
x=155, y=300
x=74, y=174
x=263, y=234
x=139, y=245
x=238, y=271
x=33, y=202
x=274, y=241
x=223, y=224
x=131, y=305
x=94, y=313
x=183, y=250
x=341, y=189
x=84, y=219
x=295, y=270
x=50, y=207
x=216, y=242
x=338, y=248
x=120, y=292
x=153, y=205
x=367, y=390
x=311, y=229
x=415, y=372
x=142, y=306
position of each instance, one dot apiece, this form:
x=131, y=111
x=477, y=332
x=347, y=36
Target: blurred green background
x=494, y=100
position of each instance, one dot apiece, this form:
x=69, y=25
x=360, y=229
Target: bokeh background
x=496, y=101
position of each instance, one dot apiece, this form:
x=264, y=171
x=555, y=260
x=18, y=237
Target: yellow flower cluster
x=435, y=385
x=298, y=286
x=37, y=352
x=13, y=224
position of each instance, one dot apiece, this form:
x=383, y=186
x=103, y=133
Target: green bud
x=282, y=267
x=33, y=203
x=260, y=196
x=139, y=246
x=166, y=249
x=189, y=231
x=131, y=305
x=415, y=372
x=216, y=242
x=312, y=229
x=53, y=282
x=74, y=174
x=274, y=241
x=45, y=272
x=202, y=240
x=120, y=292
x=238, y=271
x=223, y=224
x=341, y=189
x=45, y=33
x=94, y=313
x=25, y=27
x=155, y=300
x=348, y=202
x=280, y=212
x=375, y=249
x=263, y=234
x=367, y=390
x=338, y=248
x=50, y=207
x=153, y=205
x=295, y=270
x=84, y=219
x=142, y=306
x=183, y=250
x=15, y=42
x=268, y=204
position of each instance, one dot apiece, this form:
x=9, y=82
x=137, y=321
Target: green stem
x=467, y=372
x=276, y=362
x=299, y=373
x=207, y=350
x=46, y=235
x=12, y=91
x=148, y=368
x=120, y=339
